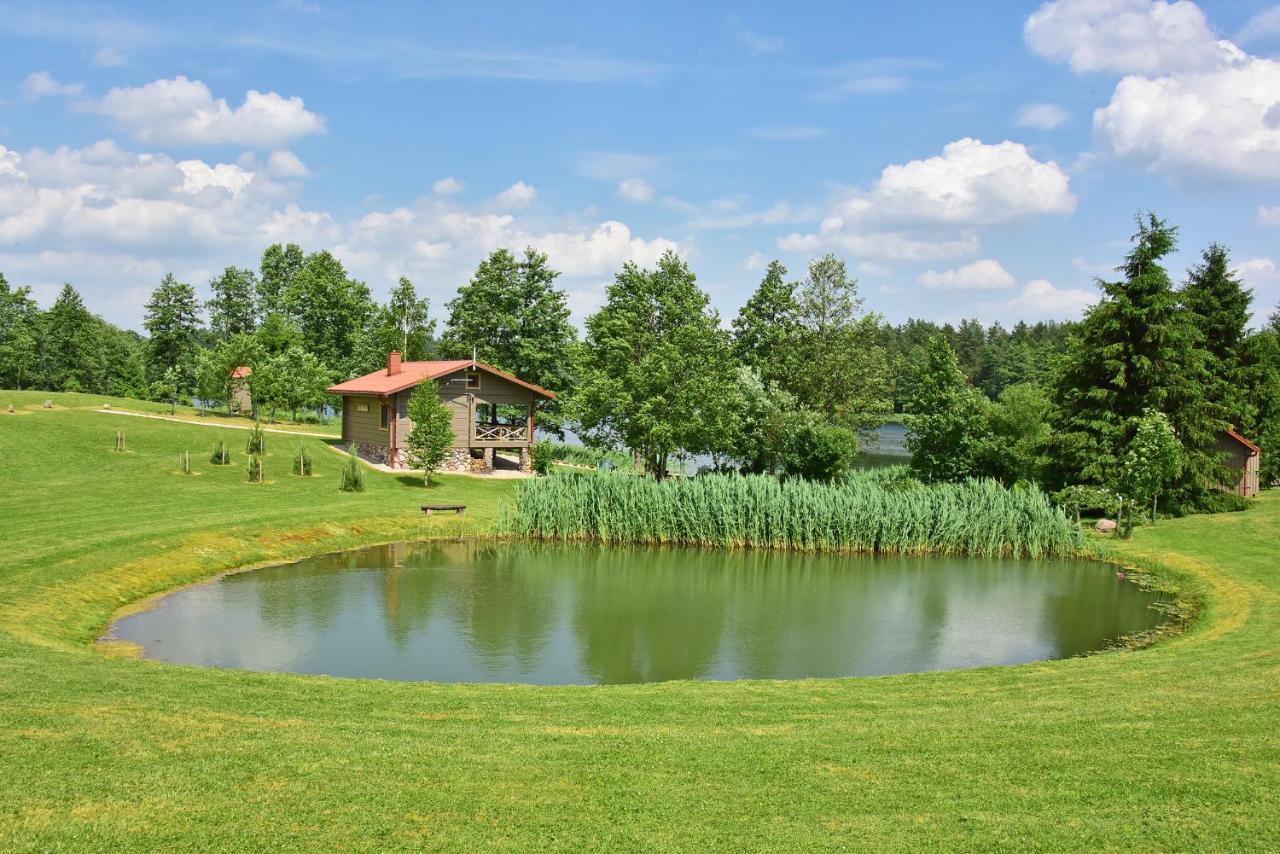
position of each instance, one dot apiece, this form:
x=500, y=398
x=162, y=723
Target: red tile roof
x=1253, y=449
x=241, y=372
x=411, y=373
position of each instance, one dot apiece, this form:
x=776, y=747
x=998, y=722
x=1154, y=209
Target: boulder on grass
x=1105, y=526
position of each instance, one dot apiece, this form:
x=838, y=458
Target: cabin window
x=386, y=417
x=362, y=407
x=473, y=379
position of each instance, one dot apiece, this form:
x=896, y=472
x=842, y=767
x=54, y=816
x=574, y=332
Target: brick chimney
x=393, y=363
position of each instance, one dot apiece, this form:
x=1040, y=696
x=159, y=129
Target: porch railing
x=500, y=433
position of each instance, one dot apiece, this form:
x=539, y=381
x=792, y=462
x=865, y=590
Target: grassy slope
x=1176, y=746
x=25, y=401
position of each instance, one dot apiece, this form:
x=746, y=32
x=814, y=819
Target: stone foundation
x=457, y=460
x=526, y=460
x=381, y=455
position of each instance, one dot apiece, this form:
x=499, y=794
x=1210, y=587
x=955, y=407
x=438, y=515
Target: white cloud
x=778, y=214
x=1041, y=116
x=1268, y=215
x=185, y=111
x=1137, y=36
x=285, y=164
x=755, y=261
x=518, y=195
x=870, y=84
x=131, y=215
x=788, y=133
x=41, y=83
x=635, y=190
x=970, y=183
x=1264, y=25
x=109, y=57
x=448, y=186
x=1040, y=300
x=1224, y=122
x=870, y=268
x=985, y=274
x=927, y=209
x=1257, y=268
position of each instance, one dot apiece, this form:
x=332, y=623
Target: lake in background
x=553, y=614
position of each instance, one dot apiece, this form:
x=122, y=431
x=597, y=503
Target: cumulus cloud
x=928, y=209
x=1191, y=106
x=518, y=195
x=132, y=216
x=1258, y=268
x=755, y=261
x=40, y=84
x=286, y=164
x=985, y=274
x=1041, y=300
x=448, y=186
x=185, y=111
x=1266, y=215
x=635, y=190
x=1041, y=116
x=1137, y=36
x=1223, y=122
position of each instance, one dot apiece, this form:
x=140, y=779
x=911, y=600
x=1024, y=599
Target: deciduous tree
x=657, y=372
x=947, y=433
x=432, y=433
x=172, y=321
x=233, y=309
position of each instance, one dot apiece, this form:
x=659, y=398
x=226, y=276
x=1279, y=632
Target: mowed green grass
x=1176, y=746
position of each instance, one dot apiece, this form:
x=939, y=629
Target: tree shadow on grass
x=417, y=481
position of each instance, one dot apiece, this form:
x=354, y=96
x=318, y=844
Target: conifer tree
x=1219, y=303
x=948, y=431
x=1136, y=350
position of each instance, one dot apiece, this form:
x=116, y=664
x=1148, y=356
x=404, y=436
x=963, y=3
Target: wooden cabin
x=1242, y=457
x=492, y=410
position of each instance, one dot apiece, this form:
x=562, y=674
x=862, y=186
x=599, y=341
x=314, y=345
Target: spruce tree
x=1136, y=350
x=233, y=310
x=1219, y=303
x=173, y=321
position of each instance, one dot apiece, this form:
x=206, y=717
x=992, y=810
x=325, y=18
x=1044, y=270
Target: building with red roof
x=1242, y=457
x=492, y=410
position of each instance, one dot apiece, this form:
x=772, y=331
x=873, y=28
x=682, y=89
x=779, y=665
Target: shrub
x=302, y=462
x=352, y=478
x=221, y=455
x=820, y=452
x=542, y=455
x=257, y=442
x=255, y=468
x=862, y=514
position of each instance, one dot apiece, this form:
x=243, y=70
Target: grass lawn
x=1176, y=746
x=25, y=401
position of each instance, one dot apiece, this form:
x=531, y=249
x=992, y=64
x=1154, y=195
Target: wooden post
x=533, y=407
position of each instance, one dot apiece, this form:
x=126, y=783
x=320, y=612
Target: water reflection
x=553, y=614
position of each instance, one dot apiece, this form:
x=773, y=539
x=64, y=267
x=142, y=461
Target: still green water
x=571, y=614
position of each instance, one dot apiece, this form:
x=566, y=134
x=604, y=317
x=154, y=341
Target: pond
x=553, y=614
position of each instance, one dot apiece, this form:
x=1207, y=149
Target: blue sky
x=965, y=159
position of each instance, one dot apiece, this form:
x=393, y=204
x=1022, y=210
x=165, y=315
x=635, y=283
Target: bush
x=581, y=455
x=352, y=478
x=221, y=455
x=302, y=462
x=542, y=455
x=255, y=468
x=820, y=452
x=257, y=442
x=864, y=514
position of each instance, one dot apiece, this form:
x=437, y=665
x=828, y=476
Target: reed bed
x=870, y=513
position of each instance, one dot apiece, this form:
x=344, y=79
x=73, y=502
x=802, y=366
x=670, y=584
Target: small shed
x=1242, y=457
x=241, y=399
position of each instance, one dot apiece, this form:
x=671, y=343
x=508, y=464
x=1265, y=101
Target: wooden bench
x=443, y=508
